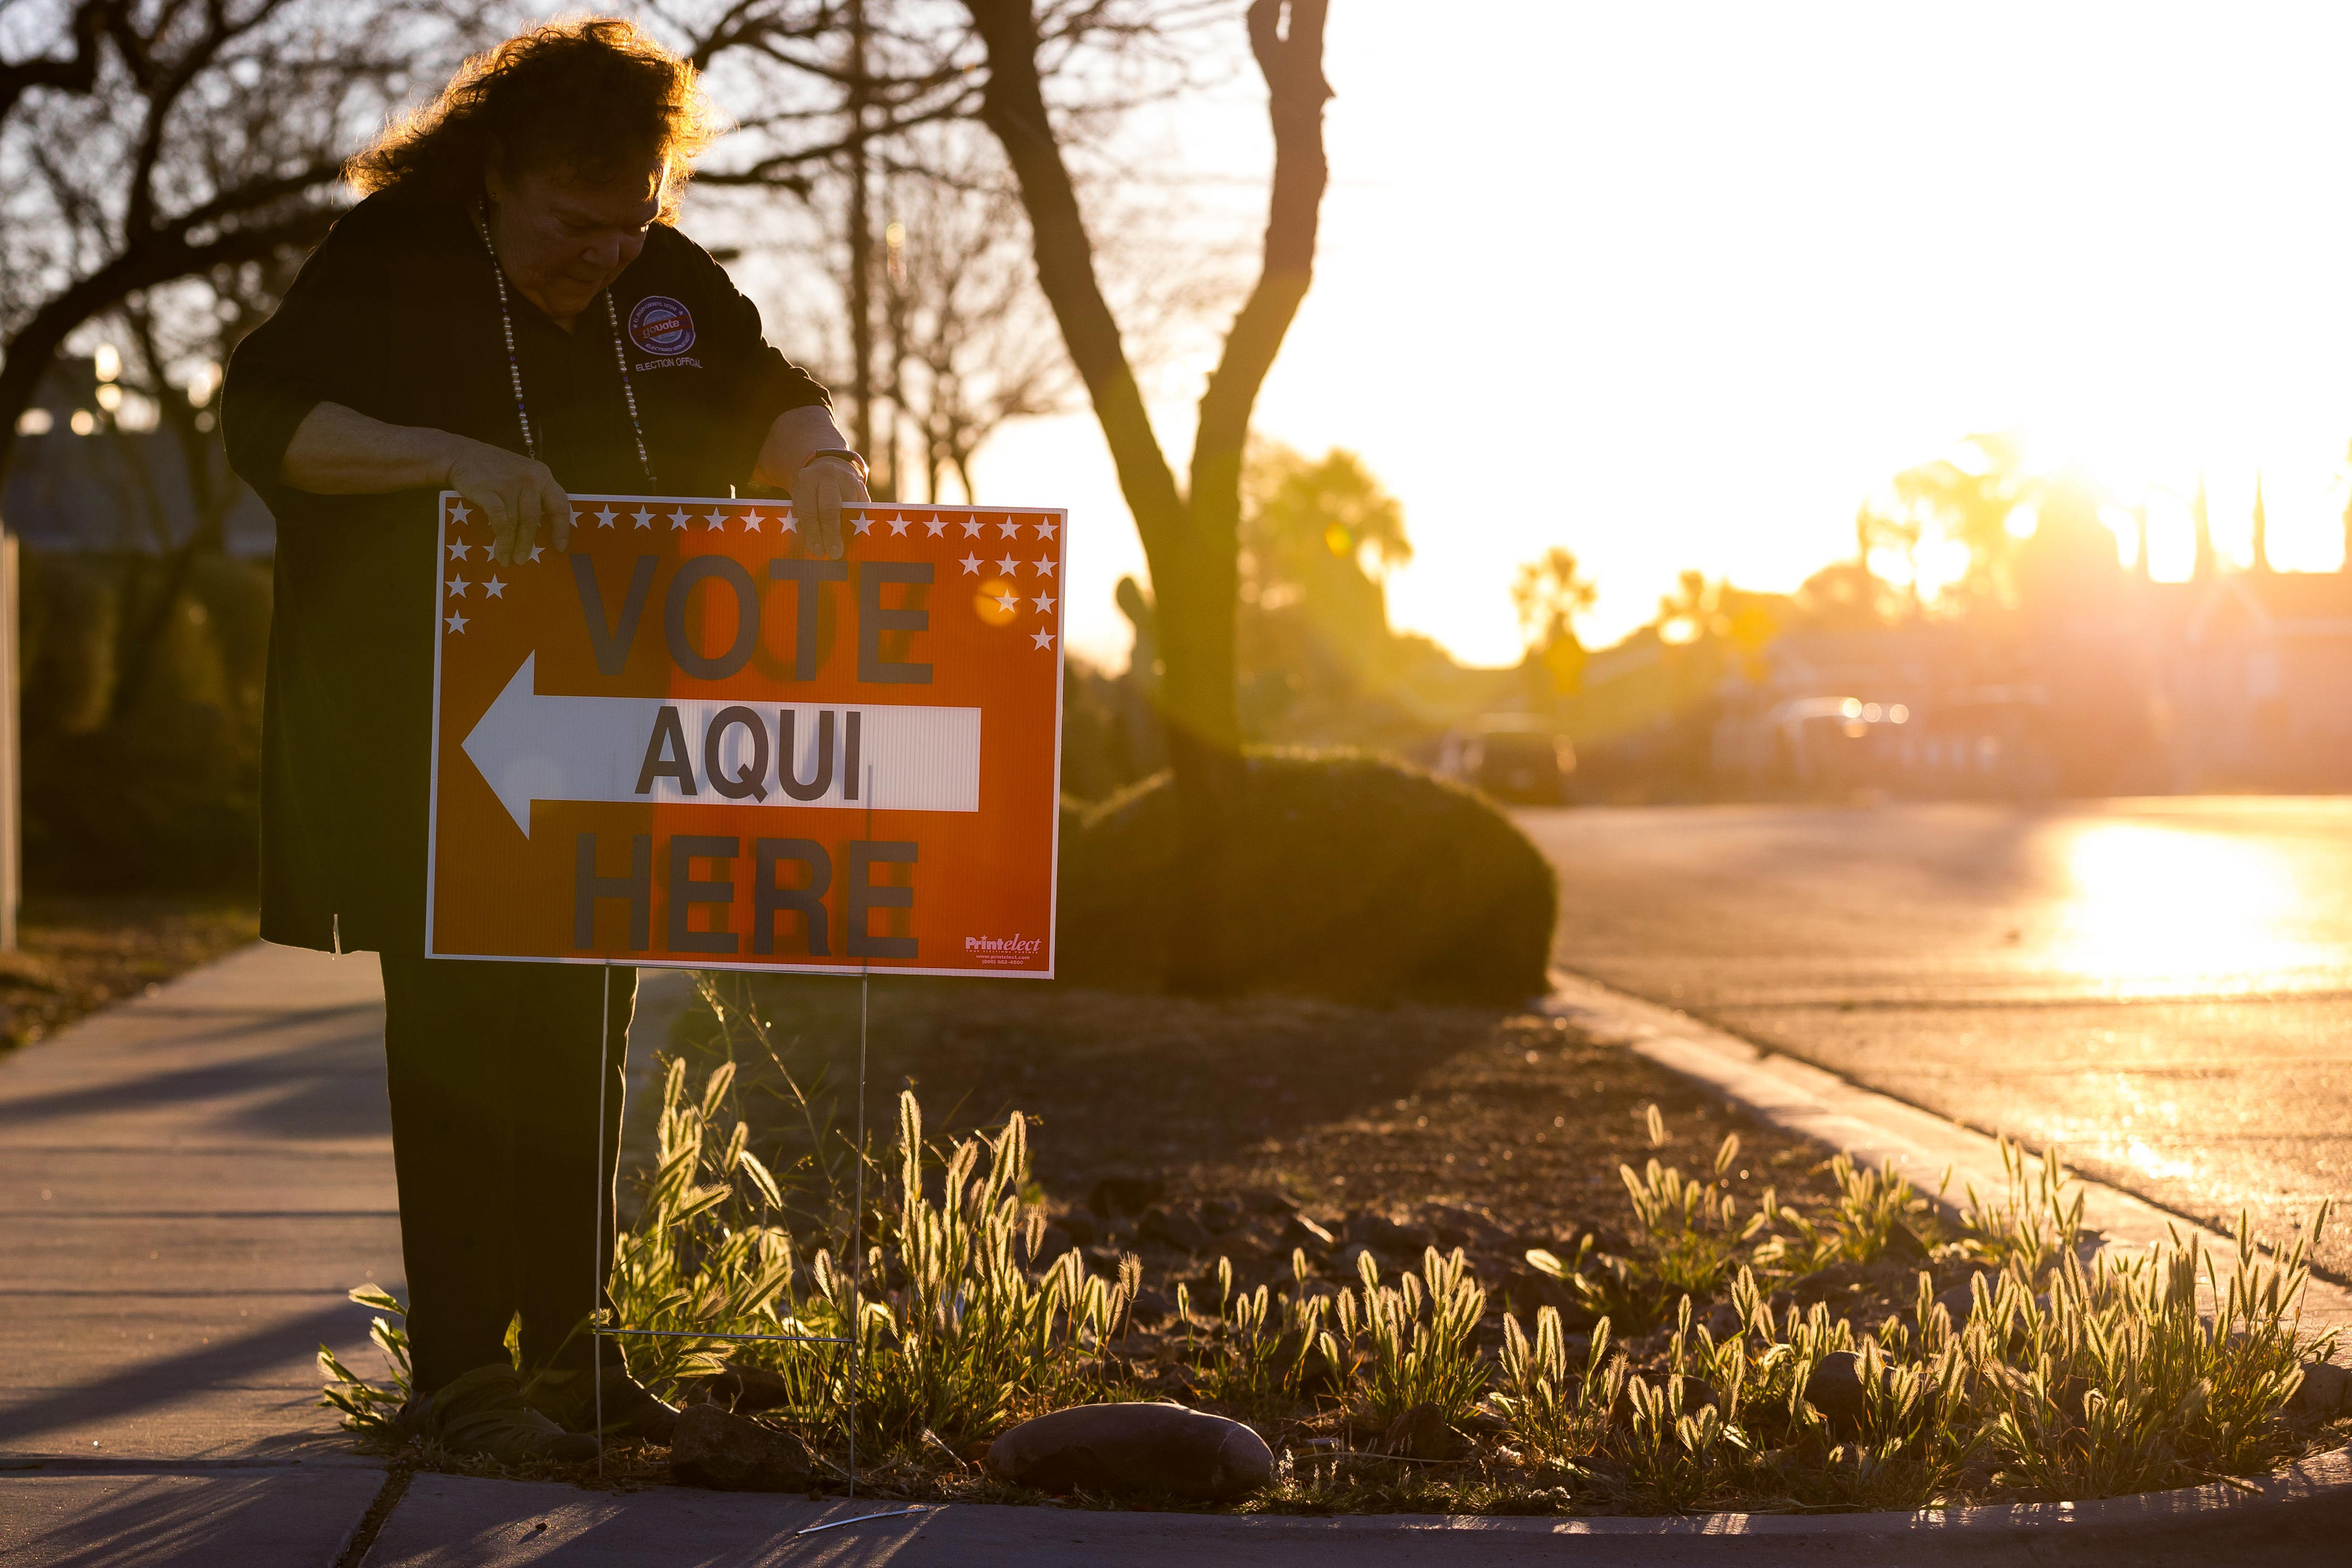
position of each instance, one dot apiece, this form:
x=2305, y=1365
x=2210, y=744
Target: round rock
x=726, y=1452
x=1835, y=1390
x=1160, y=1449
x=2325, y=1390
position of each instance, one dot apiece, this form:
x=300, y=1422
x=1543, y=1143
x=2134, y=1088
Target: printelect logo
x=1017, y=943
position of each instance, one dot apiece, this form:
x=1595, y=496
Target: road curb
x=1874, y=1128
x=2322, y=1482
x=2296, y=1515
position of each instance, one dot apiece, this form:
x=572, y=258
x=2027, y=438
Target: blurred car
x=1515, y=760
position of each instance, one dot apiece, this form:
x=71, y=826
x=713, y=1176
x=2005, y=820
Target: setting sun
x=1679, y=286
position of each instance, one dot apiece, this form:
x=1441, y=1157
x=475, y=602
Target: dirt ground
x=1504, y=1127
x=77, y=955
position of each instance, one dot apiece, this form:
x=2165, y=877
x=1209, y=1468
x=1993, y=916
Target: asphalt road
x=2162, y=988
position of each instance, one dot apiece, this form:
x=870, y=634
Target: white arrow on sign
x=532, y=747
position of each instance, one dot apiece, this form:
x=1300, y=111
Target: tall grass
x=953, y=1333
x=1414, y=1337
x=1265, y=1354
x=2067, y=1376
x=1689, y=1239
x=1559, y=1413
x=2065, y=1379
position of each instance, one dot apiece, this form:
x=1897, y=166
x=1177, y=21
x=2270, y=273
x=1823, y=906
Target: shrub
x=1350, y=876
x=156, y=786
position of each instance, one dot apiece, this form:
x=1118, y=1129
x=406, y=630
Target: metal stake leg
x=858, y=1220
x=596, y=1246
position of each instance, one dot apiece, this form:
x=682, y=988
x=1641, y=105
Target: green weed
x=1413, y=1337
x=1265, y=1354
x=2067, y=1376
x=368, y=1409
x=1689, y=1239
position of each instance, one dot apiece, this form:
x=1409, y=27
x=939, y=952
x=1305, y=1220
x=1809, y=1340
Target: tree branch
x=75, y=73
x=1292, y=62
x=1014, y=107
x=165, y=257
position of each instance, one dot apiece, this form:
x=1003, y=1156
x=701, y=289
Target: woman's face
x=563, y=238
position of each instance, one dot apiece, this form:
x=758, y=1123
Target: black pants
x=493, y=1070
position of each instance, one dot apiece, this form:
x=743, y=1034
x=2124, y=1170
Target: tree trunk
x=1189, y=541
x=861, y=240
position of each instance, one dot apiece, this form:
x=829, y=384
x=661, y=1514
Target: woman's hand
x=514, y=493
x=820, y=490
x=820, y=486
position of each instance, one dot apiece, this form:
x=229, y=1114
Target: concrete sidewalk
x=190, y=1183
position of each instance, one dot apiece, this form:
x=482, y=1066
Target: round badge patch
x=660, y=325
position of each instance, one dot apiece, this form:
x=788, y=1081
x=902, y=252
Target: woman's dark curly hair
x=594, y=98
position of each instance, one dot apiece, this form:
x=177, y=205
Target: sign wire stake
x=858, y=1216
x=596, y=1250
x=861, y=1519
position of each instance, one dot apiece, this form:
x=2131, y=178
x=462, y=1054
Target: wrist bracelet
x=845, y=455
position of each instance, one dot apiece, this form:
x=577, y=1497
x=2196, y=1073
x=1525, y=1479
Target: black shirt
x=396, y=317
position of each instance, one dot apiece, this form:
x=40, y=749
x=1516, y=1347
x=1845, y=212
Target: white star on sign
x=1044, y=530
x=457, y=623
x=971, y=564
x=679, y=519
x=751, y=519
x=790, y=524
x=718, y=521
x=604, y=518
x=1008, y=566
x=936, y=527
x=457, y=550
x=536, y=551
x=459, y=585
x=897, y=527
x=1009, y=529
x=971, y=528
x=1007, y=599
x=459, y=511
x=644, y=518
x=494, y=589
x=1044, y=602
x=1045, y=565
x=862, y=524
x=1041, y=639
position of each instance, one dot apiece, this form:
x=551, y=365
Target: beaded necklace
x=514, y=370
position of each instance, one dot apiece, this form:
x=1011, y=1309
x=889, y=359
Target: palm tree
x=1972, y=500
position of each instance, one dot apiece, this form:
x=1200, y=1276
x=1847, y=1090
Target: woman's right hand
x=516, y=495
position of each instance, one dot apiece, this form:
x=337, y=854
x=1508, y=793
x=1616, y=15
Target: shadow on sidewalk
x=207, y=1519
x=318, y=1088
x=148, y=1385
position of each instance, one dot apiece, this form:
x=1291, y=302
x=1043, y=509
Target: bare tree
x=853, y=96
x=178, y=138
x=968, y=345
x=73, y=71
x=1190, y=534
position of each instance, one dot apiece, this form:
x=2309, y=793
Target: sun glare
x=2156, y=911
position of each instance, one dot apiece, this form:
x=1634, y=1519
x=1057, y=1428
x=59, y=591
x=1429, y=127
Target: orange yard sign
x=688, y=741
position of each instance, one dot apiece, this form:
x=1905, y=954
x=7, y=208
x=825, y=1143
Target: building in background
x=80, y=483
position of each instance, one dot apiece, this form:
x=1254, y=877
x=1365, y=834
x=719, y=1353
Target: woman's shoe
x=483, y=1412
x=568, y=1396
